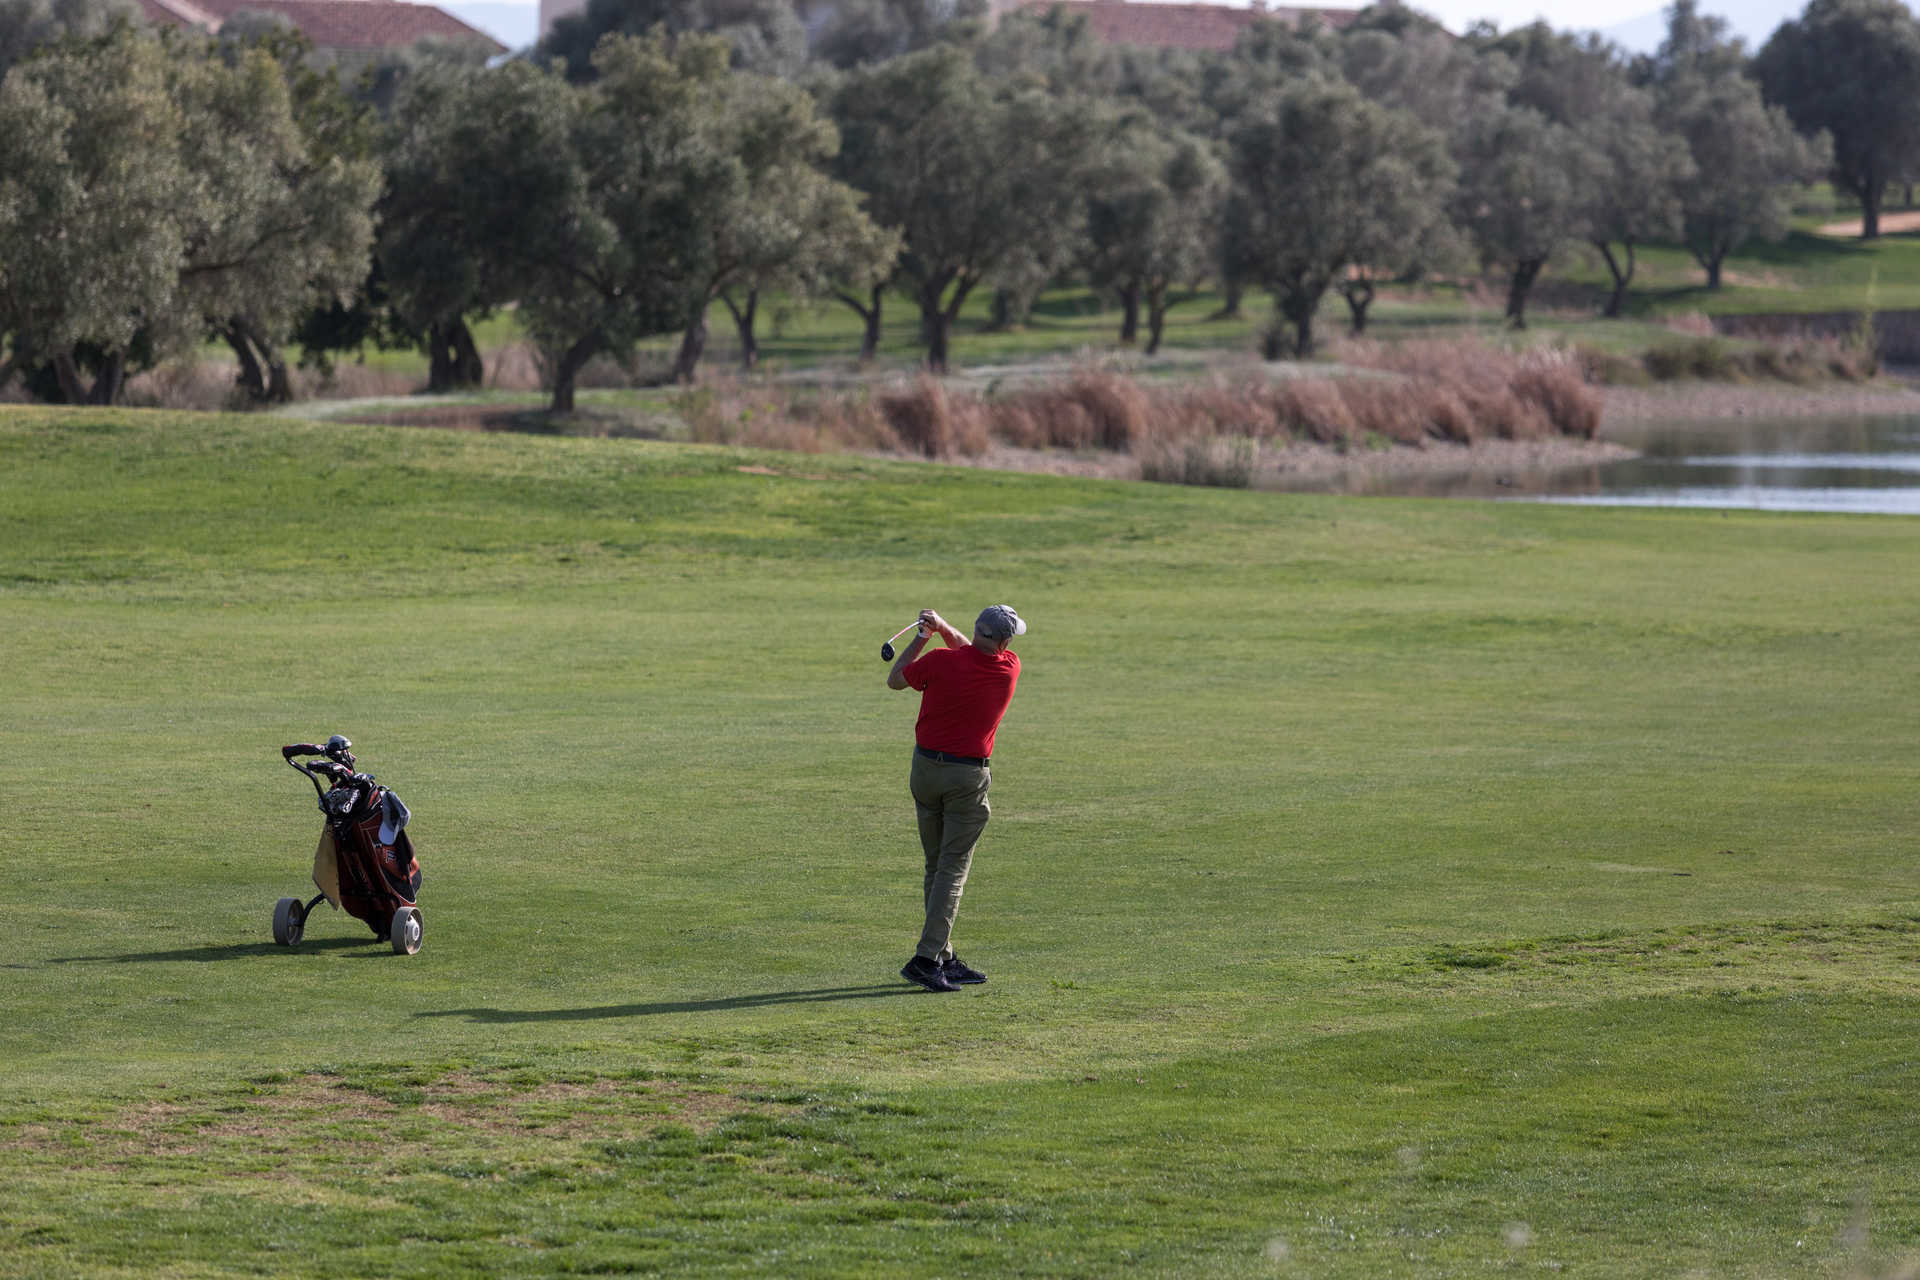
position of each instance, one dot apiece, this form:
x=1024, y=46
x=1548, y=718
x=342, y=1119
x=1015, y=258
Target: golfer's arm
x=897, y=674
x=951, y=634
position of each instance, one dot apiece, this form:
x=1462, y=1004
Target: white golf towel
x=394, y=818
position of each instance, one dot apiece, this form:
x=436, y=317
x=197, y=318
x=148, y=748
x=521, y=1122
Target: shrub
x=1552, y=381
x=1393, y=410
x=1316, y=409
x=1221, y=462
x=1703, y=358
x=930, y=420
x=1605, y=368
x=1119, y=408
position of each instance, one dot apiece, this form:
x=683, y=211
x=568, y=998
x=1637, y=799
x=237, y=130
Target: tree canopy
x=1851, y=69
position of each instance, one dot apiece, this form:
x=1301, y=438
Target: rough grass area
x=1373, y=887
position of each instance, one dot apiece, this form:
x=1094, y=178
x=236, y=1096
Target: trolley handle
x=331, y=771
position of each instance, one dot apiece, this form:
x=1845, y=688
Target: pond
x=1846, y=464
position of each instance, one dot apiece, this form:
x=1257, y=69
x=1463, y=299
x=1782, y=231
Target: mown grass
x=1373, y=887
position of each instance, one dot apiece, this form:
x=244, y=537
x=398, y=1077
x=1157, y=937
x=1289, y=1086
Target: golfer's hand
x=942, y=628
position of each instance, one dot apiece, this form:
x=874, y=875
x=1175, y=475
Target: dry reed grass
x=1469, y=390
x=208, y=385
x=1204, y=432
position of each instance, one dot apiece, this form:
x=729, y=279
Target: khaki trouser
x=951, y=801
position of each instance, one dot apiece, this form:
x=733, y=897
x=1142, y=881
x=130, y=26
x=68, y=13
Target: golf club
x=886, y=650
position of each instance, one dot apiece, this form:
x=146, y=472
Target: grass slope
x=1374, y=888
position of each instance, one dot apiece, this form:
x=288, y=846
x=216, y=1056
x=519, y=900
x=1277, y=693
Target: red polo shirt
x=963, y=694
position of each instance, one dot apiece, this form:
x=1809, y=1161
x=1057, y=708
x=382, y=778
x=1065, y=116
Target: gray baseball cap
x=1000, y=622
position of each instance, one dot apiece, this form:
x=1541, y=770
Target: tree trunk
x=1712, y=264
x=251, y=379
x=933, y=326
x=1298, y=305
x=1622, y=276
x=1870, y=210
x=1006, y=308
x=743, y=324
x=1525, y=272
x=1230, y=304
x=692, y=344
x=936, y=321
x=263, y=374
x=439, y=362
x=1358, y=291
x=870, y=334
x=568, y=368
x=1156, y=297
x=67, y=374
x=112, y=377
x=453, y=359
x=469, y=370
x=1130, y=312
x=869, y=313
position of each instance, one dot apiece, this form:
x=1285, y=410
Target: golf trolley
x=364, y=864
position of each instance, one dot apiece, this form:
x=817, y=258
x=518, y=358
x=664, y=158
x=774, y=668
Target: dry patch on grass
x=1858, y=954
x=1890, y=224
x=274, y=1121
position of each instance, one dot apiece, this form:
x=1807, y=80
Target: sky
x=1638, y=25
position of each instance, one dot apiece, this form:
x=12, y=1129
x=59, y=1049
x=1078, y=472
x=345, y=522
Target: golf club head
x=886, y=651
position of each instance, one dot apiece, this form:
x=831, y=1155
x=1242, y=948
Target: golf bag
x=364, y=863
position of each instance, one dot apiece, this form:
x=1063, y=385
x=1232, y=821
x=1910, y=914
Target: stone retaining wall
x=1896, y=333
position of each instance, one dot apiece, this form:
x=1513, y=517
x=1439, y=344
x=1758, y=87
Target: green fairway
x=1374, y=888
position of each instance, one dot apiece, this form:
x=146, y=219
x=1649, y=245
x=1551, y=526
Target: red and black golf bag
x=364, y=863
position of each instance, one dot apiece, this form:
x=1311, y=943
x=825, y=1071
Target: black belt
x=946, y=757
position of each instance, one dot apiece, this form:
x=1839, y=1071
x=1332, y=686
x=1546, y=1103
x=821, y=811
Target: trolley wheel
x=289, y=922
x=406, y=930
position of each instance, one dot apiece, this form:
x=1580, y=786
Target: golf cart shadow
x=821, y=996
x=238, y=951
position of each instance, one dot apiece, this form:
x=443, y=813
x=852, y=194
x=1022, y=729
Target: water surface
x=1844, y=464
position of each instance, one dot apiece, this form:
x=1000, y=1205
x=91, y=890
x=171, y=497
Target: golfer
x=964, y=690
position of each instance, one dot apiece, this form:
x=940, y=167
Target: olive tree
x=1152, y=220
x=1852, y=68
x=1522, y=195
x=970, y=173
x=1328, y=180
x=159, y=189
x=91, y=176
x=1748, y=157
x=288, y=163
x=773, y=218
x=1639, y=172
x=760, y=35
x=482, y=183
x=26, y=25
x=625, y=260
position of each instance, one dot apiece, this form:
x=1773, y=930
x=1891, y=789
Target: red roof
x=1182, y=26
x=344, y=25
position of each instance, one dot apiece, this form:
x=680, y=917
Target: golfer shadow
x=238, y=951
x=822, y=996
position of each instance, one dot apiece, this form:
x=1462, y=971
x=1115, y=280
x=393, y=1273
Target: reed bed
x=1408, y=395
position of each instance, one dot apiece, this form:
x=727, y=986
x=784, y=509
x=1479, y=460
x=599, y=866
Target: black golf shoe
x=954, y=969
x=927, y=974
